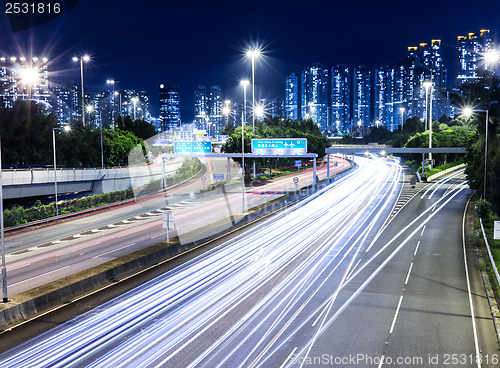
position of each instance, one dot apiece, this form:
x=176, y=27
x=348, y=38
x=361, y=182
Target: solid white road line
x=468, y=288
x=34, y=277
x=114, y=250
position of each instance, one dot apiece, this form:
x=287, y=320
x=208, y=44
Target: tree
x=26, y=132
x=118, y=145
x=140, y=128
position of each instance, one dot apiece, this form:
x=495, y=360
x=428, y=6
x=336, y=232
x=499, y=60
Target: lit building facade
x=470, y=51
x=24, y=78
x=170, y=101
x=292, y=97
x=341, y=98
x=315, y=95
x=362, y=97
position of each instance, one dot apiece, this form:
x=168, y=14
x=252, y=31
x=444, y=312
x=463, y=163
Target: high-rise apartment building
x=292, y=97
x=200, y=105
x=315, y=95
x=214, y=109
x=24, y=78
x=362, y=96
x=470, y=56
x=170, y=112
x=342, y=84
x=401, y=86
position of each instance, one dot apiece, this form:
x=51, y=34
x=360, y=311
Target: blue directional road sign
x=192, y=147
x=218, y=177
x=279, y=146
x=202, y=147
x=183, y=146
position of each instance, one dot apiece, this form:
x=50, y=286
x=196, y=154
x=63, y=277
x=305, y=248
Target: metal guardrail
x=493, y=265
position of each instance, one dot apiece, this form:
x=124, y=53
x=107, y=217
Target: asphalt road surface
x=369, y=272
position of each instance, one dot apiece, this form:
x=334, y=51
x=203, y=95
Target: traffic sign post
x=296, y=182
x=496, y=231
x=168, y=222
x=203, y=180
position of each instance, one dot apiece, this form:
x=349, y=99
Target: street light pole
x=253, y=54
x=428, y=85
x=244, y=83
x=134, y=100
x=55, y=168
x=485, y=154
x=4, y=268
x=66, y=128
x=82, y=58
x=468, y=112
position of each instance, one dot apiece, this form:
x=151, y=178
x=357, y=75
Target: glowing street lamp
x=226, y=110
x=66, y=128
x=259, y=111
x=134, y=101
x=82, y=59
x=402, y=111
x=467, y=111
x=492, y=56
x=253, y=54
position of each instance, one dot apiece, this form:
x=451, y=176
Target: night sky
x=148, y=42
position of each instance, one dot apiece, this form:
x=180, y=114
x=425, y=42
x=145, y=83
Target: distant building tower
x=170, y=112
x=314, y=99
x=362, y=97
x=62, y=94
x=470, y=50
x=200, y=105
x=24, y=78
x=341, y=98
x=214, y=109
x=292, y=97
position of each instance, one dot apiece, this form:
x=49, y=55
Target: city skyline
x=348, y=99
x=208, y=40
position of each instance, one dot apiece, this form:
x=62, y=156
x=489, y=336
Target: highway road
x=51, y=252
x=369, y=272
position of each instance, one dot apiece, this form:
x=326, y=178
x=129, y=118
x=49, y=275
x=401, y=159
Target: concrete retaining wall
x=40, y=182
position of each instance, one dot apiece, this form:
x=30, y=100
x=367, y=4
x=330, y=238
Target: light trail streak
x=371, y=276
x=261, y=281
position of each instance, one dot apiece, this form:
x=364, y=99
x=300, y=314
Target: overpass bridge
x=383, y=149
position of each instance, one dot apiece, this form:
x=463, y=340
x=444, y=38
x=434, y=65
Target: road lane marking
x=381, y=361
x=288, y=357
x=423, y=230
x=416, y=249
x=396, y=314
x=468, y=288
x=114, y=250
x=408, y=276
x=34, y=277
